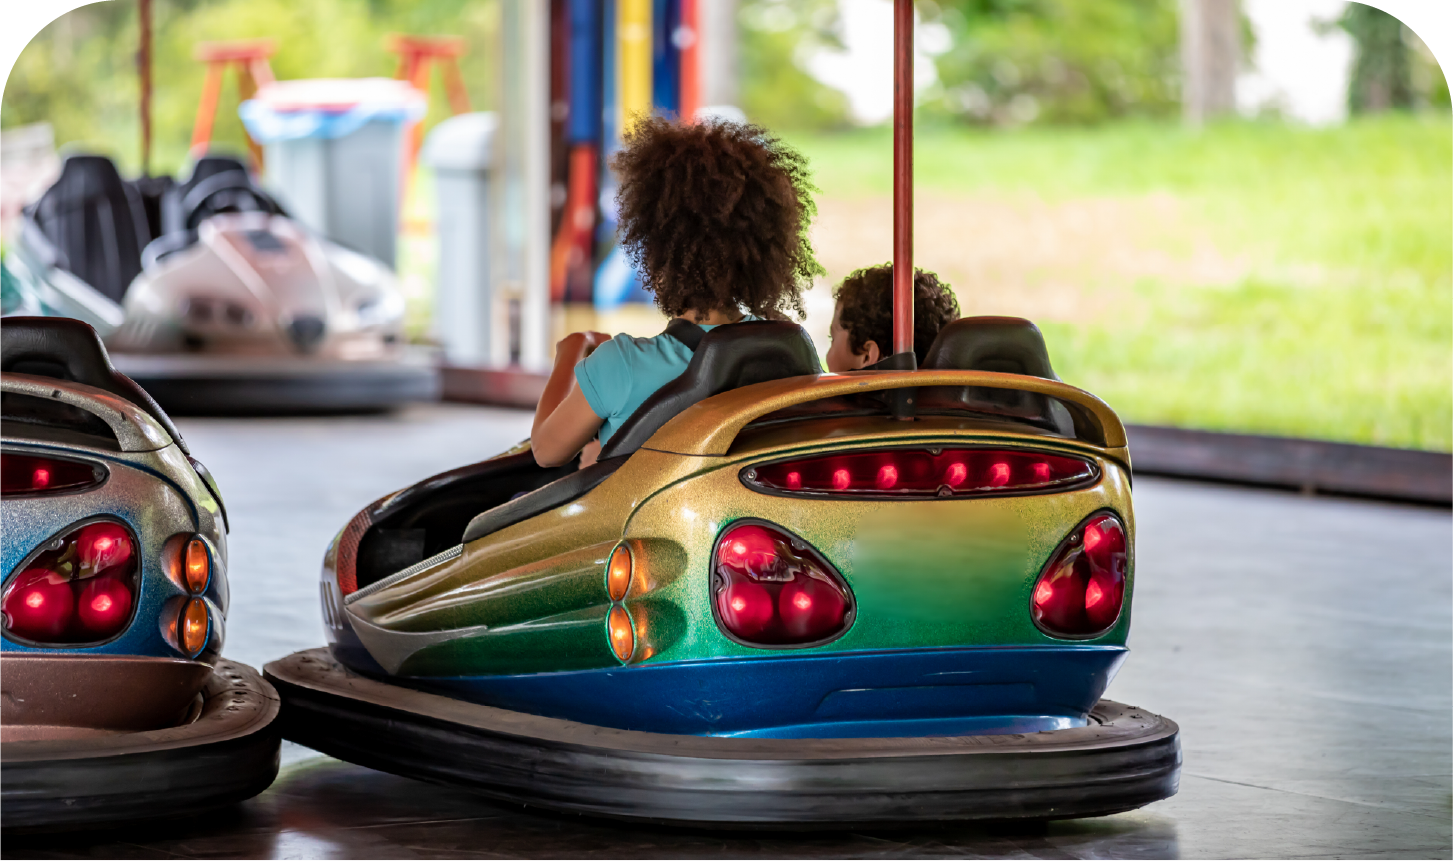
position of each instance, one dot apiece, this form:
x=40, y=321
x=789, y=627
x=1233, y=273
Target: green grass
x=1343, y=327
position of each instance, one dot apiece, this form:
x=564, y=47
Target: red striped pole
x=902, y=176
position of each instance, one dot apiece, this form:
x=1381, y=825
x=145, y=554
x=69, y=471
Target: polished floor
x=1304, y=645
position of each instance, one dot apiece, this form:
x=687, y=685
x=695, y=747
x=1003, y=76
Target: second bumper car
x=214, y=300
x=116, y=703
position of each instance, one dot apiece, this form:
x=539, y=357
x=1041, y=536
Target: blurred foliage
x=1060, y=61
x=80, y=72
x=776, y=37
x=1381, y=70
x=1342, y=327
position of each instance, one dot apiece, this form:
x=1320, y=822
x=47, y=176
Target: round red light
x=887, y=476
x=841, y=479
x=998, y=474
x=750, y=549
x=40, y=478
x=794, y=481
x=103, y=546
x=1041, y=471
x=955, y=474
x=104, y=607
x=39, y=605
x=810, y=609
x=745, y=607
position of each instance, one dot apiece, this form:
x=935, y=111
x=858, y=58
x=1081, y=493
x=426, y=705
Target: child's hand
x=577, y=345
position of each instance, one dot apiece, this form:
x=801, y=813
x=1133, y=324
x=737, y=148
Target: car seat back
x=95, y=223
x=728, y=357
x=66, y=349
x=1008, y=345
x=174, y=208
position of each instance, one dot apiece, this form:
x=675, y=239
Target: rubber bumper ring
x=1126, y=758
x=227, y=754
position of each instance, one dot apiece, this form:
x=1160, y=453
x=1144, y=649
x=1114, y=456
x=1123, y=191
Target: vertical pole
x=535, y=347
x=902, y=176
x=207, y=110
x=690, y=60
x=143, y=62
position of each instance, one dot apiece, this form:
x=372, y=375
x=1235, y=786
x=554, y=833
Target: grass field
x=1254, y=277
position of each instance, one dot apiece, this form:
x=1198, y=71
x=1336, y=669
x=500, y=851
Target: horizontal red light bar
x=917, y=473
x=29, y=474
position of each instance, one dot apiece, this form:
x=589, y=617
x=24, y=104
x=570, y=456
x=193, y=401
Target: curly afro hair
x=715, y=217
x=866, y=299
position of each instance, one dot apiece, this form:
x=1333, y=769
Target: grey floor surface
x=1304, y=645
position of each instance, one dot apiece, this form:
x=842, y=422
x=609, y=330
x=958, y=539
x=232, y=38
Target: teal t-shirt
x=621, y=373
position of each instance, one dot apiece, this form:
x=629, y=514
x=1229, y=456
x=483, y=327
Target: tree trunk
x=1210, y=57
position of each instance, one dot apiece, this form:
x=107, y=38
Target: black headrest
x=211, y=165
x=66, y=349
x=729, y=357
x=1010, y=345
x=96, y=223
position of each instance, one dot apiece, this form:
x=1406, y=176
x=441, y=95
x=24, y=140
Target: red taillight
x=771, y=589
x=920, y=473
x=22, y=474
x=82, y=589
x=1082, y=590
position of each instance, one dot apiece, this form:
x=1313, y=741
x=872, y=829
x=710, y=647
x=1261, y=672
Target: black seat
x=218, y=183
x=1010, y=345
x=95, y=223
x=727, y=358
x=66, y=349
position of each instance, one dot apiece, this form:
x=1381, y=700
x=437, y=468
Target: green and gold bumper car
x=780, y=598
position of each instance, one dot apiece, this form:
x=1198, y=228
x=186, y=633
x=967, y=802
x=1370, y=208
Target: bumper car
x=772, y=602
x=116, y=704
x=213, y=299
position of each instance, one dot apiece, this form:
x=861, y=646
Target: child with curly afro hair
x=862, y=322
x=714, y=215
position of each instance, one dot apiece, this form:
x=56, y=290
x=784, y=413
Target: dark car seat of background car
x=66, y=349
x=1008, y=345
x=727, y=357
x=96, y=223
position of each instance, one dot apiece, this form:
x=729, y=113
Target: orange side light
x=618, y=573
x=622, y=634
x=193, y=627
x=198, y=566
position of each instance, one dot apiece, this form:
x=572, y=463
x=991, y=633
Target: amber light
x=618, y=573
x=921, y=473
x=197, y=566
x=193, y=627
x=621, y=633
x=1082, y=590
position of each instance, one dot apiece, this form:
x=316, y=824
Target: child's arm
x=564, y=421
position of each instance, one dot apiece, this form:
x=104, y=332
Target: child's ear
x=870, y=354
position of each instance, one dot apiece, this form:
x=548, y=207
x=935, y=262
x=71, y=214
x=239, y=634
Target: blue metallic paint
x=900, y=693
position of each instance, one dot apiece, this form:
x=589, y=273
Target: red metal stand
x=416, y=54
x=253, y=71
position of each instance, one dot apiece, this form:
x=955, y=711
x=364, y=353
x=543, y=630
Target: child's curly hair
x=715, y=217
x=866, y=297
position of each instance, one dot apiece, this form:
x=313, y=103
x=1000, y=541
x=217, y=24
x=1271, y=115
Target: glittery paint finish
x=928, y=573
x=160, y=496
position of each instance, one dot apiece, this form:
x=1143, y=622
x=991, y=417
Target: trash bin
x=333, y=149
x=469, y=319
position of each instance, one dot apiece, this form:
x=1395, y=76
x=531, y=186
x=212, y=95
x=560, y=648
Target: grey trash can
x=334, y=154
x=468, y=319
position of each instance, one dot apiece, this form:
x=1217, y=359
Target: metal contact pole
x=902, y=176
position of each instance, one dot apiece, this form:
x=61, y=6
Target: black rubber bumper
x=1124, y=759
x=198, y=384
x=227, y=754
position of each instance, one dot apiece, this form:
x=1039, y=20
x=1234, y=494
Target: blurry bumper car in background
x=212, y=298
